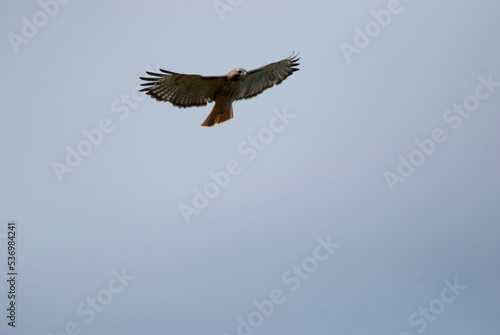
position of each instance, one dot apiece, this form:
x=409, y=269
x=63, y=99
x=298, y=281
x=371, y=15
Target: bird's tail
x=219, y=114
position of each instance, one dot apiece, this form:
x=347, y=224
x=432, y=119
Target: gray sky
x=360, y=196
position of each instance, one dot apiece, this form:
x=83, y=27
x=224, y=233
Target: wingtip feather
x=169, y=72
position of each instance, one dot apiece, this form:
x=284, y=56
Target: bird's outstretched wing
x=182, y=90
x=259, y=80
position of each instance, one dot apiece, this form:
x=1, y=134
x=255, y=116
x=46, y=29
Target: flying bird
x=190, y=90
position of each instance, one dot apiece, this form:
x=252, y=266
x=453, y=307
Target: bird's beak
x=244, y=72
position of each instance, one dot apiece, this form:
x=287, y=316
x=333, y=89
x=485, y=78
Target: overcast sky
x=359, y=197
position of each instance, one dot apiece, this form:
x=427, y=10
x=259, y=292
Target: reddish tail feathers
x=218, y=115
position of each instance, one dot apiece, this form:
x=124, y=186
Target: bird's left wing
x=182, y=90
x=259, y=80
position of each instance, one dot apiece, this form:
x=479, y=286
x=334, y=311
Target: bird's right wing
x=182, y=90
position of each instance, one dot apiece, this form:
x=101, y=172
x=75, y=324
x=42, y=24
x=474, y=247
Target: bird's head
x=237, y=74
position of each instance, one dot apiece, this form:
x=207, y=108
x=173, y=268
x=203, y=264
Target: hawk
x=190, y=90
